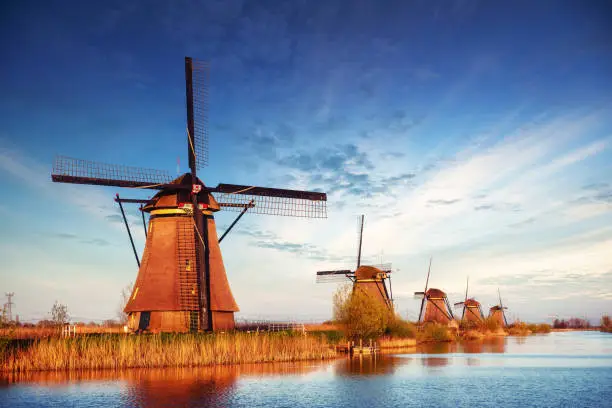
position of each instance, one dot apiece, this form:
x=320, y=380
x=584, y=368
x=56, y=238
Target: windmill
x=182, y=284
x=497, y=312
x=435, y=302
x=471, y=310
x=370, y=279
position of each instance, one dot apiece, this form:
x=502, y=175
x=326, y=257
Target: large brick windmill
x=182, y=284
x=369, y=279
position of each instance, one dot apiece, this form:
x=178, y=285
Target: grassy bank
x=525, y=329
x=160, y=350
x=434, y=332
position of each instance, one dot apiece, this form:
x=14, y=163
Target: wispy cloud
x=37, y=179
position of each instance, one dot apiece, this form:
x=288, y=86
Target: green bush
x=434, y=332
x=360, y=316
x=332, y=336
x=400, y=328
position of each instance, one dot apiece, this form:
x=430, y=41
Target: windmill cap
x=169, y=197
x=435, y=293
x=367, y=272
x=472, y=303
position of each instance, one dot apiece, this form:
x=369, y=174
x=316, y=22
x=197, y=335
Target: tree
x=125, y=296
x=59, y=313
x=360, y=315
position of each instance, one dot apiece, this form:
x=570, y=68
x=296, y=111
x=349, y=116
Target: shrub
x=434, y=332
x=519, y=328
x=490, y=324
x=543, y=328
x=400, y=328
x=332, y=336
x=361, y=316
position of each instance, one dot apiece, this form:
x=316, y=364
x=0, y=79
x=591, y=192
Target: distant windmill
x=497, y=312
x=472, y=312
x=370, y=279
x=182, y=284
x=435, y=303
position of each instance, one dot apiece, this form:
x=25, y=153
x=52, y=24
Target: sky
x=476, y=133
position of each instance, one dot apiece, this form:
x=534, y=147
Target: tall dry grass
x=395, y=343
x=48, y=331
x=159, y=350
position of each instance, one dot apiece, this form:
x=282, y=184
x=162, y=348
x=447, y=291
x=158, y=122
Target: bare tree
x=125, y=296
x=59, y=313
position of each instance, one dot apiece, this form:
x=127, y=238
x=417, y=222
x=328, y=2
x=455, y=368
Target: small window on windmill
x=187, y=265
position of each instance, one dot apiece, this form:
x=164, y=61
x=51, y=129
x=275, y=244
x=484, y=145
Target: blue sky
x=476, y=133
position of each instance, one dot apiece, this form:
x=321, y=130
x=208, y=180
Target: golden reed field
x=113, y=351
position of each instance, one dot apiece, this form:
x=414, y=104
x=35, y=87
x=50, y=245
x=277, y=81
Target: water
x=559, y=369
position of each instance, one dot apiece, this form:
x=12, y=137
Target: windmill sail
x=334, y=276
x=272, y=201
x=197, y=75
x=77, y=171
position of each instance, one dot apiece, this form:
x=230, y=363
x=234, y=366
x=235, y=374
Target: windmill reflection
x=201, y=386
x=370, y=365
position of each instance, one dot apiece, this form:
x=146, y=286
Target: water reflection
x=582, y=370
x=488, y=345
x=368, y=365
x=206, y=386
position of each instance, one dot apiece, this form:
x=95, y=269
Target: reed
x=159, y=350
x=394, y=342
x=49, y=331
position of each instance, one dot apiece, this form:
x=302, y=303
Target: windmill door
x=145, y=318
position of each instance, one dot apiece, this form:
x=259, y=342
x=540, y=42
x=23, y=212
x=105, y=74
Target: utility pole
x=9, y=305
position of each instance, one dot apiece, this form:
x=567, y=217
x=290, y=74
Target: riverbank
x=159, y=350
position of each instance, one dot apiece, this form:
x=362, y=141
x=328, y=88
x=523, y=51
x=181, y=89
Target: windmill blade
x=360, y=240
x=197, y=78
x=272, y=201
x=502, y=307
x=76, y=171
x=334, y=276
x=385, y=267
x=458, y=304
x=425, y=291
x=467, y=284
